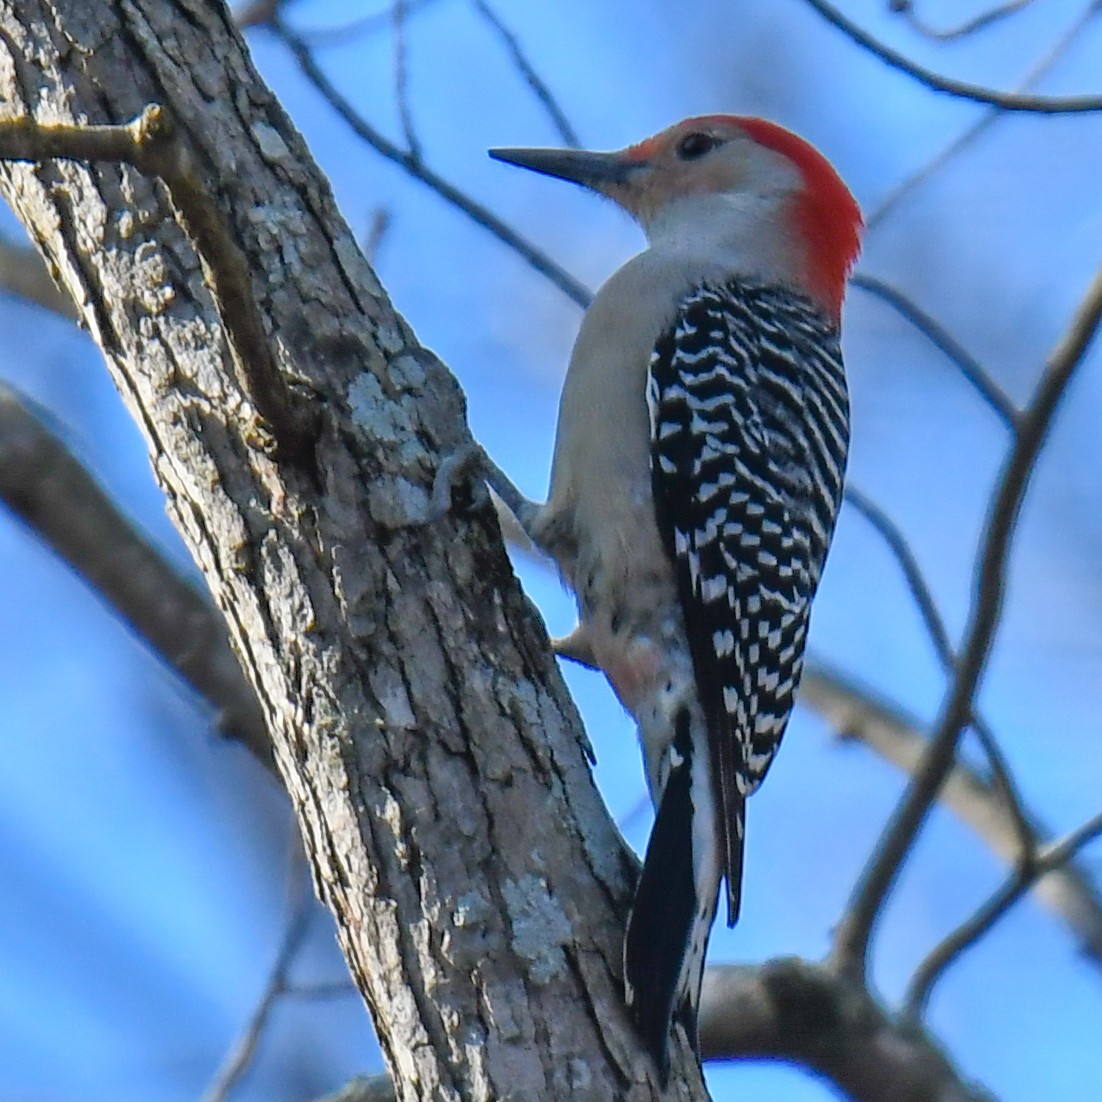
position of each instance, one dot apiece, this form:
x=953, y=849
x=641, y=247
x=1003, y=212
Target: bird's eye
x=695, y=145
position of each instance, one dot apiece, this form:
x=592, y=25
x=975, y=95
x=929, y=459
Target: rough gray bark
x=434, y=759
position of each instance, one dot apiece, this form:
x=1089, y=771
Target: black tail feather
x=662, y=918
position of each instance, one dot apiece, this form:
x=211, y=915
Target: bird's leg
x=471, y=461
x=516, y=514
x=576, y=646
x=522, y=508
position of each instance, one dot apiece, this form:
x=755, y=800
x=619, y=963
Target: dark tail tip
x=660, y=927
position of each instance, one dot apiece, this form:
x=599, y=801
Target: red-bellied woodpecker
x=698, y=468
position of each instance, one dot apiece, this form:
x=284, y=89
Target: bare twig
x=901, y=551
x=538, y=85
x=401, y=81
x=855, y=928
x=856, y=713
x=972, y=370
x=151, y=144
x=373, y=22
x=23, y=273
x=1052, y=857
x=1007, y=101
x=47, y=487
x=299, y=906
x=256, y=13
x=482, y=215
x=978, y=22
x=967, y=136
x=334, y=989
x=897, y=543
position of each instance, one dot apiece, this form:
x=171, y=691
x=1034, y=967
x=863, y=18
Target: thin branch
x=897, y=543
x=978, y=22
x=967, y=136
x=854, y=930
x=334, y=989
x=1007, y=101
x=256, y=13
x=1007, y=788
x=401, y=81
x=539, y=87
x=322, y=37
x=151, y=144
x=482, y=215
x=968, y=933
x=24, y=273
x=299, y=906
x=972, y=370
x=49, y=489
x=857, y=714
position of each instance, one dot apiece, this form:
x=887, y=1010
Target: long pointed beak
x=592, y=170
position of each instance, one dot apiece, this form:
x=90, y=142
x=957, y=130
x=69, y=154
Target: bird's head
x=757, y=169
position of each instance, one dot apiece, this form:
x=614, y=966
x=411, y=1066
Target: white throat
x=730, y=233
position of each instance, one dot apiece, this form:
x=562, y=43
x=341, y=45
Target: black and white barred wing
x=749, y=430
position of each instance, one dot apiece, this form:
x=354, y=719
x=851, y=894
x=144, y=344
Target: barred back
x=749, y=433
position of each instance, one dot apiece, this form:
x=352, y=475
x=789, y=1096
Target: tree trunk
x=436, y=764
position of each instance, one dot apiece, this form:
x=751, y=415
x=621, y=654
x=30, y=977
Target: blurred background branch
x=50, y=490
x=908, y=10
x=855, y=929
x=23, y=273
x=1005, y=101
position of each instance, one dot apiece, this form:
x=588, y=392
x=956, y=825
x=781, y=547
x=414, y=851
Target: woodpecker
x=698, y=466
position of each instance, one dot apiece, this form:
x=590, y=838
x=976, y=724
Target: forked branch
x=854, y=931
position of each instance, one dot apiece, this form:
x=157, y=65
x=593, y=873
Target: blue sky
x=143, y=862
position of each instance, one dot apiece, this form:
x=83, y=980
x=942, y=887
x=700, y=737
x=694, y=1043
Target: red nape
x=828, y=214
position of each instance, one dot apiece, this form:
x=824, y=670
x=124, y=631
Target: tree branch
x=978, y=22
x=935, y=626
x=528, y=71
x=855, y=928
x=242, y=1053
x=1013, y=888
x=48, y=488
x=474, y=210
x=989, y=117
x=399, y=10
x=972, y=370
x=23, y=274
x=856, y=713
x=804, y=1013
x=1006, y=101
x=321, y=37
